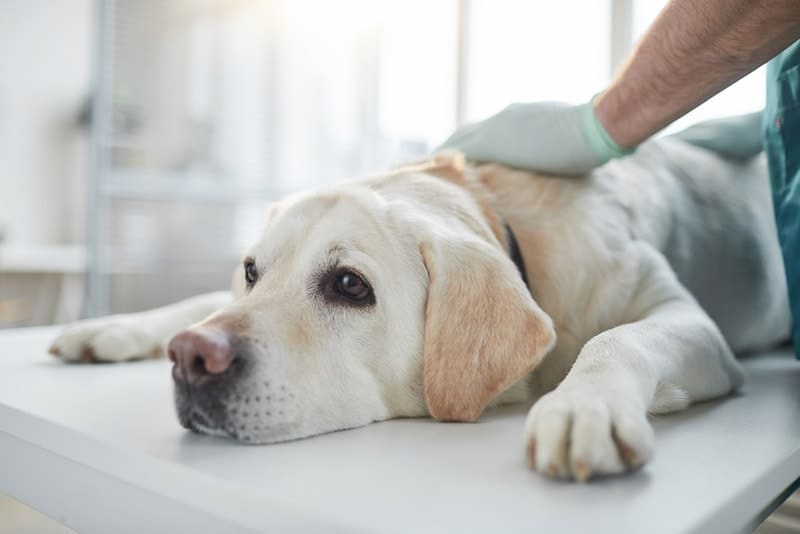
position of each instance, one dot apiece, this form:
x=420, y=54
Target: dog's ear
x=483, y=330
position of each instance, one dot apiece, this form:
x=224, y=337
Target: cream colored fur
x=633, y=273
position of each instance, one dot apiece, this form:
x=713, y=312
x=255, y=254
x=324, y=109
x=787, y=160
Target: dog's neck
x=515, y=253
x=497, y=223
x=453, y=168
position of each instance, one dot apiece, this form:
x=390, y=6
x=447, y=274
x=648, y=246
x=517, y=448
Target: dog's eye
x=250, y=272
x=352, y=286
x=344, y=286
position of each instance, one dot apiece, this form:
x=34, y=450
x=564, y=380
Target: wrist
x=603, y=145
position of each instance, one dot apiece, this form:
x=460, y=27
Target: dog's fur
x=644, y=277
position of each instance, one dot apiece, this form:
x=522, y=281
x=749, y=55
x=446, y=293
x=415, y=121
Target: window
x=209, y=109
x=529, y=51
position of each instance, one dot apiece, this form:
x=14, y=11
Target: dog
x=445, y=287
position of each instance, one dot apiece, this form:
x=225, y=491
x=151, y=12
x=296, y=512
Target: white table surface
x=99, y=449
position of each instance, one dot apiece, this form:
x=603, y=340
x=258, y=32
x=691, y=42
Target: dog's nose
x=199, y=354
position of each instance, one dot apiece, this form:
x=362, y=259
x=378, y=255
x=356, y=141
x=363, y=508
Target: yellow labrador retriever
x=442, y=288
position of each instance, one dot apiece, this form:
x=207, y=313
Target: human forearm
x=693, y=50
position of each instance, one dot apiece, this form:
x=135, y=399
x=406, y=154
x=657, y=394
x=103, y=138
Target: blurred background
x=141, y=139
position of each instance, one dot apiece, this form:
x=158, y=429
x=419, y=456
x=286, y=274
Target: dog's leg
x=133, y=336
x=666, y=353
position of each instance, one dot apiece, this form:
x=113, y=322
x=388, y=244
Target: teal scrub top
x=781, y=131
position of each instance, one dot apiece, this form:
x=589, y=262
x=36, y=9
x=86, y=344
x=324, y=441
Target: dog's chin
x=213, y=417
x=195, y=419
x=200, y=428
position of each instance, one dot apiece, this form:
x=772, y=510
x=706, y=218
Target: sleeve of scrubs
x=781, y=130
x=736, y=137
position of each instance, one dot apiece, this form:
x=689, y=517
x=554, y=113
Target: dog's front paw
x=108, y=339
x=581, y=432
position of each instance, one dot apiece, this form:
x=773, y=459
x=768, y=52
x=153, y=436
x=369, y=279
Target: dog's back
x=720, y=236
x=711, y=218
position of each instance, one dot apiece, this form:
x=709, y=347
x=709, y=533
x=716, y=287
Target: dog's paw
x=108, y=339
x=578, y=433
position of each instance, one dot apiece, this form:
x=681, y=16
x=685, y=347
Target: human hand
x=550, y=137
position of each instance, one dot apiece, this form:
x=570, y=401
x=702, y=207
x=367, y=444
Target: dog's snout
x=199, y=354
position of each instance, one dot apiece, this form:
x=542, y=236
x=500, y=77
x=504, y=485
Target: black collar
x=516, y=254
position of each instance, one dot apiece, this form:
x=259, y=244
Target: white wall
x=44, y=76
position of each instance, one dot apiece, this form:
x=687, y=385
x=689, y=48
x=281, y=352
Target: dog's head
x=389, y=297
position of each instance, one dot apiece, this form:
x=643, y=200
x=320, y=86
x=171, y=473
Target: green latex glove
x=736, y=137
x=550, y=137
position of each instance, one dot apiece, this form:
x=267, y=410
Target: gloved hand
x=549, y=137
x=736, y=137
